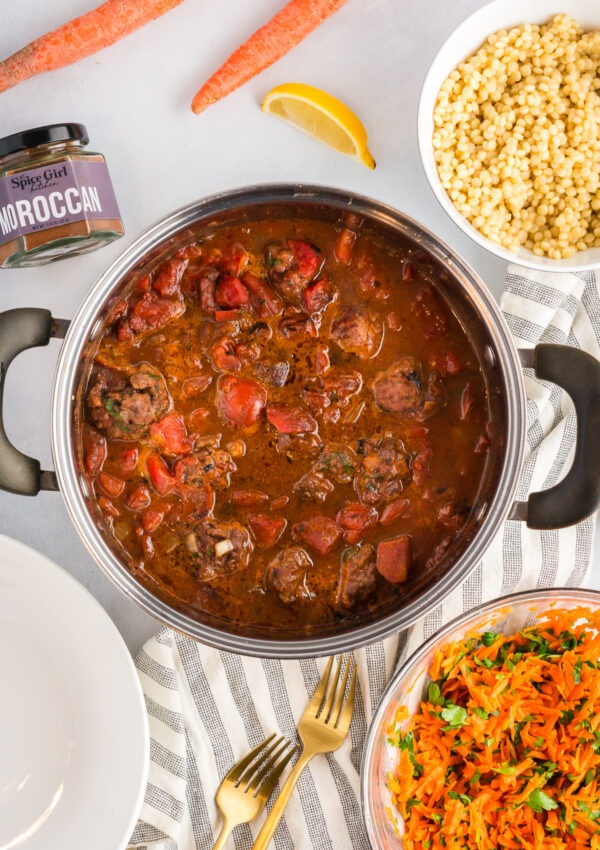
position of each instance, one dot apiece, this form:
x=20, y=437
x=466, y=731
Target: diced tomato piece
x=368, y=282
x=290, y=420
x=151, y=519
x=318, y=295
x=240, y=400
x=320, y=532
x=230, y=292
x=266, y=529
x=249, y=498
x=196, y=418
x=147, y=545
x=306, y=258
x=393, y=511
x=116, y=311
x=408, y=270
x=206, y=287
x=344, y=245
x=355, y=520
x=420, y=466
x=139, y=498
x=227, y=315
x=234, y=259
x=394, y=322
x=168, y=277
x=224, y=355
x=428, y=308
x=193, y=251
x=485, y=440
x=107, y=507
x=162, y=480
x=296, y=324
x=143, y=285
x=195, y=386
x=446, y=363
x=467, y=400
x=394, y=557
x=453, y=364
x=123, y=331
x=322, y=363
x=483, y=444
x=170, y=435
x=151, y=312
x=128, y=459
x=94, y=449
x=264, y=301
x=197, y=499
x=112, y=486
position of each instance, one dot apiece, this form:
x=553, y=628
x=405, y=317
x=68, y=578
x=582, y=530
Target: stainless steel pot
x=573, y=499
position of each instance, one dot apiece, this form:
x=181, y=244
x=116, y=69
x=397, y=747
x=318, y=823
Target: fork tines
x=263, y=765
x=334, y=693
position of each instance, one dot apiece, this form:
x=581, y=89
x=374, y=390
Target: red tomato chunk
x=394, y=558
x=241, y=401
x=162, y=480
x=319, y=532
x=170, y=435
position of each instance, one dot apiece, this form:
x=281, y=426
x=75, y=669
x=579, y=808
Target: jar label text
x=52, y=196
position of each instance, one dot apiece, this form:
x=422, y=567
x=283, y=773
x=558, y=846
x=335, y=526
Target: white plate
x=73, y=725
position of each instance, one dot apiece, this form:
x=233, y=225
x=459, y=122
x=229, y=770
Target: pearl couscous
x=517, y=138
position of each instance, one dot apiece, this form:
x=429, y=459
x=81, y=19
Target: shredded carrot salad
x=504, y=752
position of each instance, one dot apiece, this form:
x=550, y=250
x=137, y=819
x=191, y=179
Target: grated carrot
x=504, y=753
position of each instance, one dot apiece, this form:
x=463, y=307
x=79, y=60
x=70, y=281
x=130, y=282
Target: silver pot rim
x=85, y=323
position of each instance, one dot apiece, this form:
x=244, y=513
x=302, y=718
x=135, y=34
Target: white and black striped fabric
x=207, y=708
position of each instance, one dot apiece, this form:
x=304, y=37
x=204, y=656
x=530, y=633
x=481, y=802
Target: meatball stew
x=284, y=424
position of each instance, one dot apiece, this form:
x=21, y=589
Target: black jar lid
x=43, y=136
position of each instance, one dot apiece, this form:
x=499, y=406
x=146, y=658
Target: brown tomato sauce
x=283, y=424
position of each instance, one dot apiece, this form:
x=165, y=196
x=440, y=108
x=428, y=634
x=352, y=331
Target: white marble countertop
x=134, y=98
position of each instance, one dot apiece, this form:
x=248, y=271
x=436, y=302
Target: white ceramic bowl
x=465, y=40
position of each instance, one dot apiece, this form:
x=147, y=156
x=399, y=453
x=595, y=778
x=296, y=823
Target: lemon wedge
x=322, y=116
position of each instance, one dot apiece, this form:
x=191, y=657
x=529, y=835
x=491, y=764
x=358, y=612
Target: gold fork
x=322, y=729
x=242, y=795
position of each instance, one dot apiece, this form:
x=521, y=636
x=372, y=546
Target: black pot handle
x=577, y=496
x=19, y=330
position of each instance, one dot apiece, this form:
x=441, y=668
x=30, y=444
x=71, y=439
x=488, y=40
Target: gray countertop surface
x=134, y=97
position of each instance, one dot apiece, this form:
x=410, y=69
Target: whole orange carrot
x=268, y=44
x=81, y=37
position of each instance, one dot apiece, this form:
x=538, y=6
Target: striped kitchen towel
x=207, y=708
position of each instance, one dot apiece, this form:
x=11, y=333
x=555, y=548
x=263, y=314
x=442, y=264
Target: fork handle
x=222, y=837
x=270, y=825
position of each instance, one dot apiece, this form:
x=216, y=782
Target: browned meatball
x=358, y=331
x=333, y=390
x=358, y=577
x=211, y=465
x=218, y=548
x=124, y=405
x=383, y=468
x=338, y=462
x=286, y=575
x=405, y=389
x=292, y=266
x=313, y=485
x=273, y=374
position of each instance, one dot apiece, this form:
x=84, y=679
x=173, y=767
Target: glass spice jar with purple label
x=56, y=198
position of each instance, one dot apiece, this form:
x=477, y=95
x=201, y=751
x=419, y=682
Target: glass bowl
x=507, y=614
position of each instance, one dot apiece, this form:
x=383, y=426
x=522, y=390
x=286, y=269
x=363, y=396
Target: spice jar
x=56, y=198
